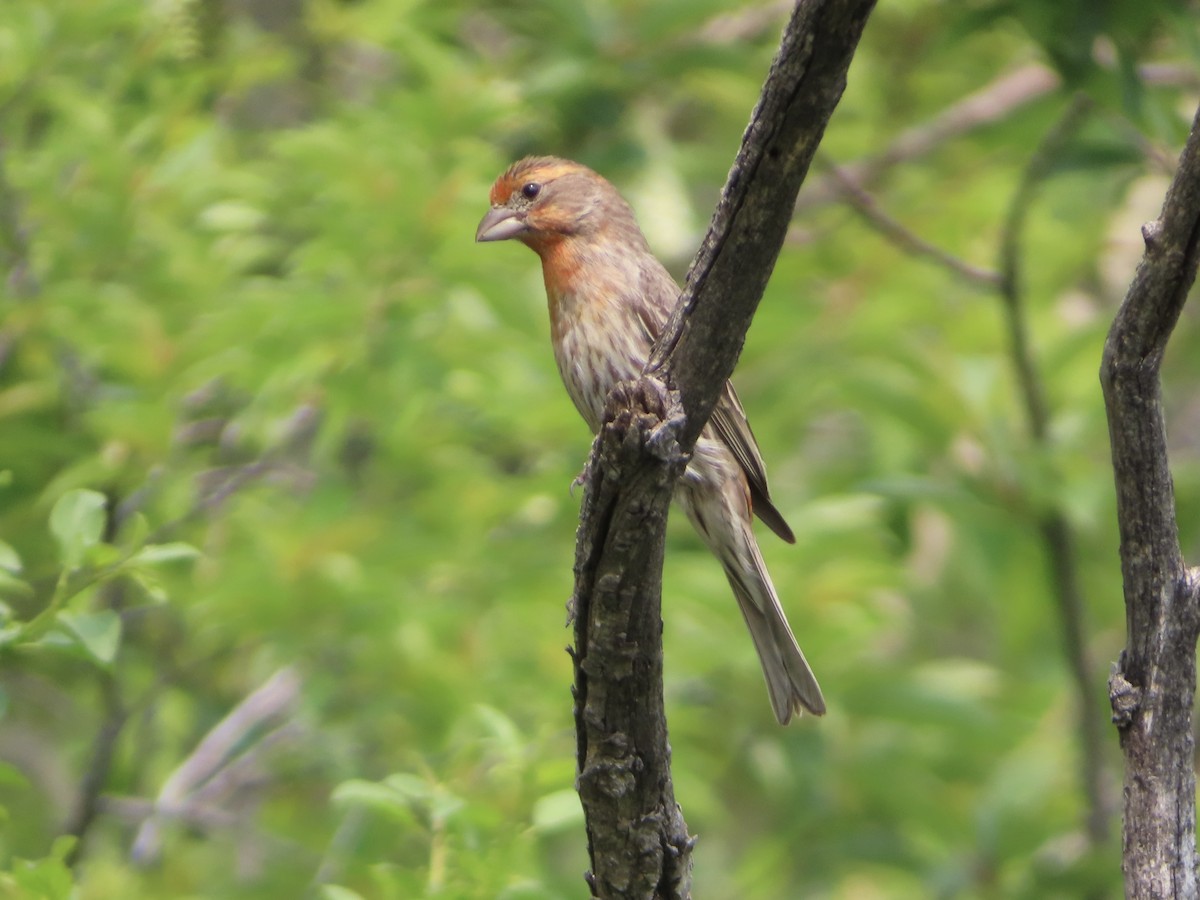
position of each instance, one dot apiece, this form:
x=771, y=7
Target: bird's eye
x=531, y=190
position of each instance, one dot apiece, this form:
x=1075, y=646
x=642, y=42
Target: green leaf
x=159, y=554
x=232, y=215
x=373, y=795
x=98, y=633
x=11, y=586
x=41, y=879
x=10, y=634
x=134, y=531
x=408, y=785
x=504, y=732
x=337, y=892
x=155, y=592
x=9, y=560
x=77, y=522
x=444, y=804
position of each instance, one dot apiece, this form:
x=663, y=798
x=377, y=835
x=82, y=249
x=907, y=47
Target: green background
x=288, y=416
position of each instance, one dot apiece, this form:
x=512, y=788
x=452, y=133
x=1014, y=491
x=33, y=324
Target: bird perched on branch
x=609, y=298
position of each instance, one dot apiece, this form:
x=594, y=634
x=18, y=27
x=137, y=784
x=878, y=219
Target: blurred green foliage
x=264, y=407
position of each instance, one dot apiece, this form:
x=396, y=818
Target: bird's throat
x=561, y=264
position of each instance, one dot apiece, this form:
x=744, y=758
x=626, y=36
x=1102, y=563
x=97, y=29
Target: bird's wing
x=728, y=417
x=729, y=420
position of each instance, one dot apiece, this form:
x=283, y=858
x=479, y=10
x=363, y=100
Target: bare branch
x=731, y=269
x=135, y=810
x=872, y=213
x=1153, y=686
x=1055, y=532
x=1010, y=258
x=637, y=839
x=217, y=751
x=1155, y=155
x=991, y=103
x=99, y=764
x=743, y=24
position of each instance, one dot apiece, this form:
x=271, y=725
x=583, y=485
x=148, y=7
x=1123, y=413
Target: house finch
x=609, y=298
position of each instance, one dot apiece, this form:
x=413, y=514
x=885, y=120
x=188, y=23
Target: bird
x=609, y=297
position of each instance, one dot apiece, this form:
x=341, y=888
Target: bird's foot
x=663, y=440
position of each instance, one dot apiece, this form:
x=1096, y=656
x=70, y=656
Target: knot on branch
x=611, y=769
x=1124, y=697
x=1151, y=232
x=610, y=779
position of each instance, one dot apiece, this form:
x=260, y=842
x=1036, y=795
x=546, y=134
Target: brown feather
x=608, y=299
x=729, y=419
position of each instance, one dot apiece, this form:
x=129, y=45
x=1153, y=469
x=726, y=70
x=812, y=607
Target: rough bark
x=637, y=839
x=1152, y=687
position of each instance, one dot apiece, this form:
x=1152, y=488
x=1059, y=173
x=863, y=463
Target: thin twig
x=99, y=764
x=743, y=25
x=135, y=810
x=1057, y=536
x=216, y=486
x=990, y=104
x=1011, y=288
x=1154, y=154
x=862, y=202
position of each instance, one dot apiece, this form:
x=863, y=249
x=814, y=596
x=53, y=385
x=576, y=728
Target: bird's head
x=543, y=200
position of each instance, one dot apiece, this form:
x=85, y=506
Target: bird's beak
x=500, y=224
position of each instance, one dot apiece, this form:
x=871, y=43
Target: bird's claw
x=584, y=478
x=662, y=441
x=650, y=407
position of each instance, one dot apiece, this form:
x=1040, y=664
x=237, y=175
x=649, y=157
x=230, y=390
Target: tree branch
x=1010, y=258
x=735, y=260
x=637, y=839
x=991, y=103
x=1153, y=685
x=1055, y=532
x=217, y=751
x=861, y=201
x=87, y=806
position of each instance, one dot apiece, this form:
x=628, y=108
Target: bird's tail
x=790, y=680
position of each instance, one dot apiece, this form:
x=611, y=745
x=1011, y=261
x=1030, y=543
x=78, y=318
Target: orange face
x=542, y=199
x=537, y=170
